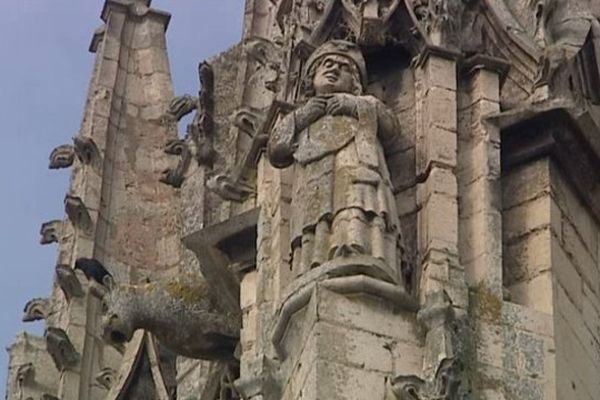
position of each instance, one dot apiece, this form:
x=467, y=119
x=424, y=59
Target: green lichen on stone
x=190, y=291
x=487, y=304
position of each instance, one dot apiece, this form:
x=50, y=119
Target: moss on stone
x=189, y=291
x=489, y=305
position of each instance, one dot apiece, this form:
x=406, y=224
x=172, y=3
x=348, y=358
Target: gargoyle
x=183, y=313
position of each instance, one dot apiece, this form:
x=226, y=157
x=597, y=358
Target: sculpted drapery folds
x=337, y=142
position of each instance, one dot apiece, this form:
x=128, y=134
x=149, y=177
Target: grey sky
x=44, y=73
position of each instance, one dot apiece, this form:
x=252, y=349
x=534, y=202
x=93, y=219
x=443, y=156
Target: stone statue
x=337, y=142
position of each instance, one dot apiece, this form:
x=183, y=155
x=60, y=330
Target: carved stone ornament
x=61, y=349
x=248, y=121
x=25, y=374
x=105, y=378
x=175, y=176
x=78, y=213
x=439, y=20
x=238, y=185
x=49, y=397
x=86, y=149
x=36, y=309
x=202, y=129
x=446, y=384
x=229, y=188
x=268, y=57
x=179, y=107
x=62, y=157
x=68, y=281
x=51, y=231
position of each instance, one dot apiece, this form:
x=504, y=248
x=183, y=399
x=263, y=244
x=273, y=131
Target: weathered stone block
x=439, y=72
x=535, y=292
x=528, y=256
x=525, y=183
x=526, y=218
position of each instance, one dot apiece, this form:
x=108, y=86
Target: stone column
x=436, y=161
x=480, y=226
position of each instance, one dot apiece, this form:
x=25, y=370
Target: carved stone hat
x=341, y=48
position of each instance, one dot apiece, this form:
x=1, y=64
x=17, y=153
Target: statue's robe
x=342, y=201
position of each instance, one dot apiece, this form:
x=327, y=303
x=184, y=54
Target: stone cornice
x=557, y=129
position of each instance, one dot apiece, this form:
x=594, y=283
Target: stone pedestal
x=343, y=337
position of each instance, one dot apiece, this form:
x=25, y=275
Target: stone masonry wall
x=576, y=267
x=551, y=272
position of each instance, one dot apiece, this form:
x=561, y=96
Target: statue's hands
x=342, y=104
x=310, y=112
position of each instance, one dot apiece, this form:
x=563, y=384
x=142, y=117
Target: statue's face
x=334, y=74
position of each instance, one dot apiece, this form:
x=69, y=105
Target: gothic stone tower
x=376, y=199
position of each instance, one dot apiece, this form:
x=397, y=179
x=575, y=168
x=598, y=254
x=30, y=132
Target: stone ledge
x=224, y=247
x=558, y=129
x=333, y=278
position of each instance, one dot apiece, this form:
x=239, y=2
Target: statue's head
x=336, y=67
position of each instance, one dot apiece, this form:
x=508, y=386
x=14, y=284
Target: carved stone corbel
x=62, y=157
x=36, y=309
x=268, y=57
x=105, y=378
x=78, y=213
x=179, y=107
x=46, y=396
x=68, y=281
x=61, y=349
x=445, y=385
x=25, y=374
x=51, y=231
x=237, y=185
x=228, y=188
x=175, y=176
x=85, y=149
x=248, y=120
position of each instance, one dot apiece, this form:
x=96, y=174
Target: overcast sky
x=44, y=74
